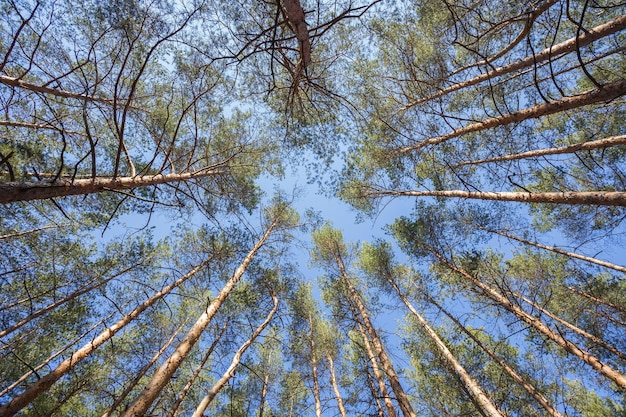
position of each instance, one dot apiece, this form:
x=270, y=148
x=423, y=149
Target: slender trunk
x=529, y=388
x=597, y=300
x=376, y=369
x=480, y=397
x=141, y=373
x=26, y=191
x=565, y=47
x=43, y=384
x=600, y=198
x=165, y=372
x=394, y=381
x=52, y=357
x=316, y=384
x=560, y=251
x=62, y=301
x=585, y=146
x=235, y=362
x=379, y=407
x=333, y=382
x=266, y=383
x=618, y=378
x=596, y=95
x=573, y=328
x=174, y=409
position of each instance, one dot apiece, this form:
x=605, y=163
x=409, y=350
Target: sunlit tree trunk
x=266, y=383
x=235, y=362
x=141, y=373
x=528, y=387
x=475, y=390
x=394, y=381
x=316, y=384
x=618, y=378
x=570, y=45
x=165, y=372
x=560, y=251
x=26, y=191
x=600, y=198
x=585, y=146
x=596, y=95
x=181, y=397
x=39, y=387
x=333, y=382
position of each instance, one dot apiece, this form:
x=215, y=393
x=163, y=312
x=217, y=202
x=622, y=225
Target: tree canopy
x=156, y=258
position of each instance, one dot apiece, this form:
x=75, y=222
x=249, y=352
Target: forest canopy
x=154, y=260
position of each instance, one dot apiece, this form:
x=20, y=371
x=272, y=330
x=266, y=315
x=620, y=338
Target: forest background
x=174, y=184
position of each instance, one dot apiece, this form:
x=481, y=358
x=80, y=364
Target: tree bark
x=165, y=372
x=596, y=95
x=585, y=146
x=618, y=378
x=333, y=382
x=565, y=47
x=26, y=191
x=266, y=382
x=598, y=198
x=316, y=384
x=560, y=251
x=141, y=373
x=394, y=381
x=474, y=389
x=43, y=384
x=235, y=362
x=529, y=388
x=174, y=410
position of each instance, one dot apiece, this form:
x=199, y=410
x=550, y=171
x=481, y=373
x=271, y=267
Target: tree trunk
x=573, y=328
x=599, y=198
x=316, y=384
x=266, y=383
x=165, y=372
x=394, y=381
x=618, y=378
x=141, y=373
x=333, y=382
x=560, y=251
x=596, y=95
x=196, y=372
x=474, y=389
x=530, y=389
x=597, y=300
x=62, y=301
x=26, y=191
x=585, y=146
x=31, y=393
x=379, y=407
x=235, y=362
x=565, y=47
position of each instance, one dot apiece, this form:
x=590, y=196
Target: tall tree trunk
x=375, y=396
x=573, y=328
x=141, y=373
x=596, y=95
x=62, y=301
x=597, y=300
x=266, y=383
x=235, y=362
x=559, y=251
x=600, y=198
x=376, y=369
x=333, y=382
x=26, y=191
x=565, y=47
x=585, y=146
x=181, y=396
x=473, y=387
x=316, y=384
x=165, y=372
x=618, y=378
x=394, y=381
x=43, y=384
x=529, y=388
